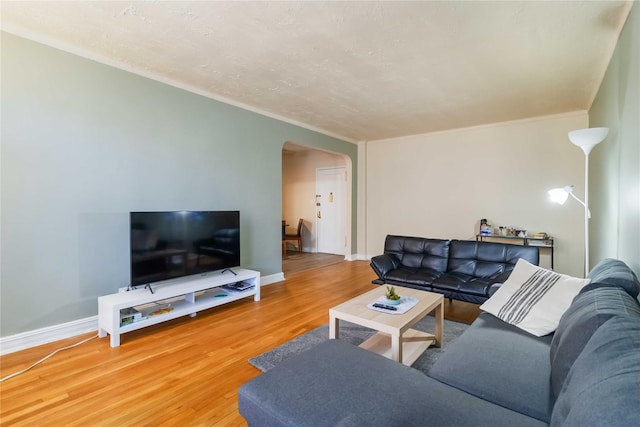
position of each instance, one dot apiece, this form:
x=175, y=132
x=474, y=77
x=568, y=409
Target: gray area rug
x=356, y=334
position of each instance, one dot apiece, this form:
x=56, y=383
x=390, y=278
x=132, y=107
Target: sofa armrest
x=497, y=281
x=493, y=288
x=502, y=277
x=383, y=264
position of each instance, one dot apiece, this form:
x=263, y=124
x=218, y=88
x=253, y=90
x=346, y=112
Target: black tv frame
x=168, y=245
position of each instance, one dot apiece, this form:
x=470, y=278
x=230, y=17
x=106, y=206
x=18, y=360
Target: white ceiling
x=357, y=70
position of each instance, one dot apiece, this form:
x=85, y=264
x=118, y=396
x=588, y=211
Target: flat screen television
x=167, y=245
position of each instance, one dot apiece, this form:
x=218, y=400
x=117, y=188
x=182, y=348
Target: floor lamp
x=585, y=139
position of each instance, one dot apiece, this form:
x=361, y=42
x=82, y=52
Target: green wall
x=83, y=144
x=614, y=177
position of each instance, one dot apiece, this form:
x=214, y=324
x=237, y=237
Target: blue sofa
x=585, y=374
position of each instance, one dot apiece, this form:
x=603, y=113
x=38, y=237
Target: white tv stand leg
x=115, y=340
x=115, y=337
x=191, y=298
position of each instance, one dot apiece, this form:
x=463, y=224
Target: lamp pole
x=586, y=212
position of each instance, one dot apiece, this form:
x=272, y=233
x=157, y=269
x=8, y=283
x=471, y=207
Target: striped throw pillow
x=534, y=298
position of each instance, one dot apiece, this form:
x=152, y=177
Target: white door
x=330, y=210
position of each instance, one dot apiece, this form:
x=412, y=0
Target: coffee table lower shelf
x=414, y=343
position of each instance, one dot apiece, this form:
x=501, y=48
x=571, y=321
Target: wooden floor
x=295, y=262
x=185, y=372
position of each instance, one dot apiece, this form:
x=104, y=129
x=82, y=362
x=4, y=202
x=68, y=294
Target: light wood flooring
x=294, y=262
x=185, y=372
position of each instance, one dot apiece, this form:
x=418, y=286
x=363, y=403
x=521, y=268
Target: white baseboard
x=46, y=335
x=272, y=278
x=22, y=341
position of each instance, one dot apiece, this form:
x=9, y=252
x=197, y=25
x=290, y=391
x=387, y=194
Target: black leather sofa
x=463, y=270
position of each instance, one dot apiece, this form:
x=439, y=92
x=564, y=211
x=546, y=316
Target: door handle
x=319, y=215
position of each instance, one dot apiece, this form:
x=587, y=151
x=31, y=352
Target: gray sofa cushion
x=338, y=384
x=603, y=385
x=613, y=272
x=500, y=363
x=586, y=314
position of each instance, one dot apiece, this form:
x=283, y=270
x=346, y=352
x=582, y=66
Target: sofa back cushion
x=487, y=259
x=613, y=272
x=611, y=293
x=587, y=313
x=418, y=252
x=602, y=387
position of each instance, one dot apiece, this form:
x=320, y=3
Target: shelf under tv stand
x=185, y=297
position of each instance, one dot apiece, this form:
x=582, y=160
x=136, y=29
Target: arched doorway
x=300, y=199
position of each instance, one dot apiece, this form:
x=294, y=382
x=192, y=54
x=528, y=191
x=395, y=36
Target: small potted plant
x=392, y=297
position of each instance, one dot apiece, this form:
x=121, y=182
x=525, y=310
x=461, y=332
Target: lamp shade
x=559, y=195
x=588, y=138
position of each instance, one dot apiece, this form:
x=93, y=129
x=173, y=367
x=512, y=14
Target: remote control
x=385, y=306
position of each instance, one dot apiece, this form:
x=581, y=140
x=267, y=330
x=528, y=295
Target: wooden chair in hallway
x=284, y=242
x=294, y=237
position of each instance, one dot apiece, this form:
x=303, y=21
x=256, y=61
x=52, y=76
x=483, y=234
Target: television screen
x=166, y=245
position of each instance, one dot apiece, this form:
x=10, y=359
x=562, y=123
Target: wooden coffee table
x=395, y=338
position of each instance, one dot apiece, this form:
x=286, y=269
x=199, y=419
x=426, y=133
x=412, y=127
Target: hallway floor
x=295, y=262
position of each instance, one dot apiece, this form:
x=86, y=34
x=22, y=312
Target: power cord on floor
x=46, y=357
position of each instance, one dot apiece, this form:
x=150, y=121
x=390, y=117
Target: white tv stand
x=185, y=296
